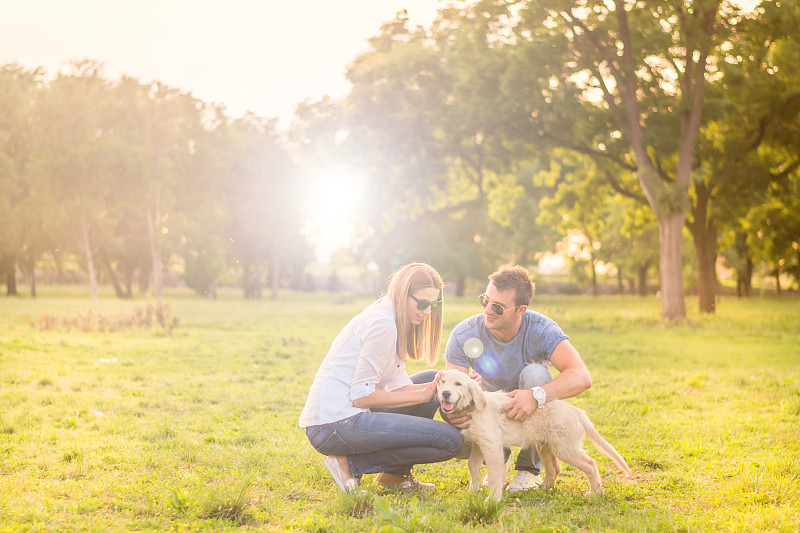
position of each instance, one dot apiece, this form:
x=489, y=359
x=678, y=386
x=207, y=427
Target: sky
x=261, y=55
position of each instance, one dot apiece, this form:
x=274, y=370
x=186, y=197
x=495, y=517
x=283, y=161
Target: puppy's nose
x=446, y=394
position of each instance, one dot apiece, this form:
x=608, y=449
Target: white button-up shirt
x=362, y=358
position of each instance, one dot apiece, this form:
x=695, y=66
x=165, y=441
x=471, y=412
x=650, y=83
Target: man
x=514, y=353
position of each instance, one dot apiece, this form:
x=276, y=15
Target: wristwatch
x=540, y=396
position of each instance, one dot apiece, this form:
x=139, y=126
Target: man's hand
x=459, y=418
x=475, y=376
x=521, y=406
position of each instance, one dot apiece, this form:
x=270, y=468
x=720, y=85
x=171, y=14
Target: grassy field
x=133, y=428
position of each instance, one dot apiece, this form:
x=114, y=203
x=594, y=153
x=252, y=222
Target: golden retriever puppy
x=556, y=430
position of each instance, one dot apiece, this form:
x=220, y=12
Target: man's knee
x=425, y=376
x=534, y=375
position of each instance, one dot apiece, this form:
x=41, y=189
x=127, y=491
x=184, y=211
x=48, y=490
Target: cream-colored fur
x=556, y=430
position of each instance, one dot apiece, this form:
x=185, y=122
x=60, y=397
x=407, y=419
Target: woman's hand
x=429, y=390
x=409, y=395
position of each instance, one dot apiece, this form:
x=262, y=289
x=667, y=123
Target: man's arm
x=573, y=379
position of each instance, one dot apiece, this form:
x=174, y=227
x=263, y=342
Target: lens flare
x=473, y=347
x=488, y=364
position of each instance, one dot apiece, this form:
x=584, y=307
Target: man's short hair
x=514, y=278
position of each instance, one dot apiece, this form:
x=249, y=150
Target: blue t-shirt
x=500, y=364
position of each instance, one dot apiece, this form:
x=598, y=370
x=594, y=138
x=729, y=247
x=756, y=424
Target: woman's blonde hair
x=416, y=341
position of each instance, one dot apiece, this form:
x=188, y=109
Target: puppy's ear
x=476, y=392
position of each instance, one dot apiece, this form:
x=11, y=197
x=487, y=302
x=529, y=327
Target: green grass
x=196, y=430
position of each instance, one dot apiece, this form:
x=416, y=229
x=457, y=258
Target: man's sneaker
x=402, y=483
x=509, y=461
x=524, y=480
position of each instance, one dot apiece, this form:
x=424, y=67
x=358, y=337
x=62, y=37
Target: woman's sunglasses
x=497, y=308
x=424, y=304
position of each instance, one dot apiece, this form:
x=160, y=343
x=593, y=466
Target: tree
x=18, y=214
x=749, y=139
x=455, y=245
x=71, y=153
x=577, y=205
x=264, y=222
x=639, y=94
x=123, y=240
x=174, y=120
x=423, y=121
x=773, y=230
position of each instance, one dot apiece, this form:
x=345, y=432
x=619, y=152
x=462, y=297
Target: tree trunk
x=461, y=285
x=670, y=240
x=644, y=266
x=250, y=278
x=594, y=274
x=707, y=276
x=703, y=228
x=705, y=244
x=128, y=272
x=87, y=250
x=778, y=280
x=103, y=256
x=9, y=267
x=246, y=277
x=747, y=276
x=32, y=266
x=155, y=251
x=59, y=260
x=744, y=273
x=257, y=281
x=144, y=276
x=274, y=267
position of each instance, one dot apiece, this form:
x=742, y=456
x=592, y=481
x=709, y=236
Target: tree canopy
x=506, y=130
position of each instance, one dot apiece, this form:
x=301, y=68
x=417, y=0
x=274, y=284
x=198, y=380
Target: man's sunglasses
x=497, y=308
x=424, y=304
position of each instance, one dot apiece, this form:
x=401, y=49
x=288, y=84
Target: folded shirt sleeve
x=378, y=347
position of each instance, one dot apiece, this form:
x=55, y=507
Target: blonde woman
x=364, y=412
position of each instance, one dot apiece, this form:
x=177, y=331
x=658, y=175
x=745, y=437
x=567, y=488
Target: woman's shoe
x=402, y=483
x=341, y=474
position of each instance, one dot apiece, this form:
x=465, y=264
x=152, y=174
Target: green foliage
x=146, y=317
x=477, y=508
x=123, y=179
x=773, y=231
x=231, y=505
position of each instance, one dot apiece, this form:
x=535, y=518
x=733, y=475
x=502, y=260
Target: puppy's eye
x=458, y=383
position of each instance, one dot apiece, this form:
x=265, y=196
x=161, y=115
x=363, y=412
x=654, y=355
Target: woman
x=363, y=411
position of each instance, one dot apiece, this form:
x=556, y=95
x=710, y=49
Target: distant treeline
x=634, y=139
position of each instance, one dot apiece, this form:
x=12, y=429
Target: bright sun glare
x=332, y=204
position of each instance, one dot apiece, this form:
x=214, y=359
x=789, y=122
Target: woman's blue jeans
x=390, y=440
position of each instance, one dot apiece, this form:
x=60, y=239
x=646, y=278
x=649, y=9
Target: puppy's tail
x=602, y=444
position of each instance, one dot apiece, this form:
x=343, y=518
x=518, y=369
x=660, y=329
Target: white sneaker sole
x=346, y=484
